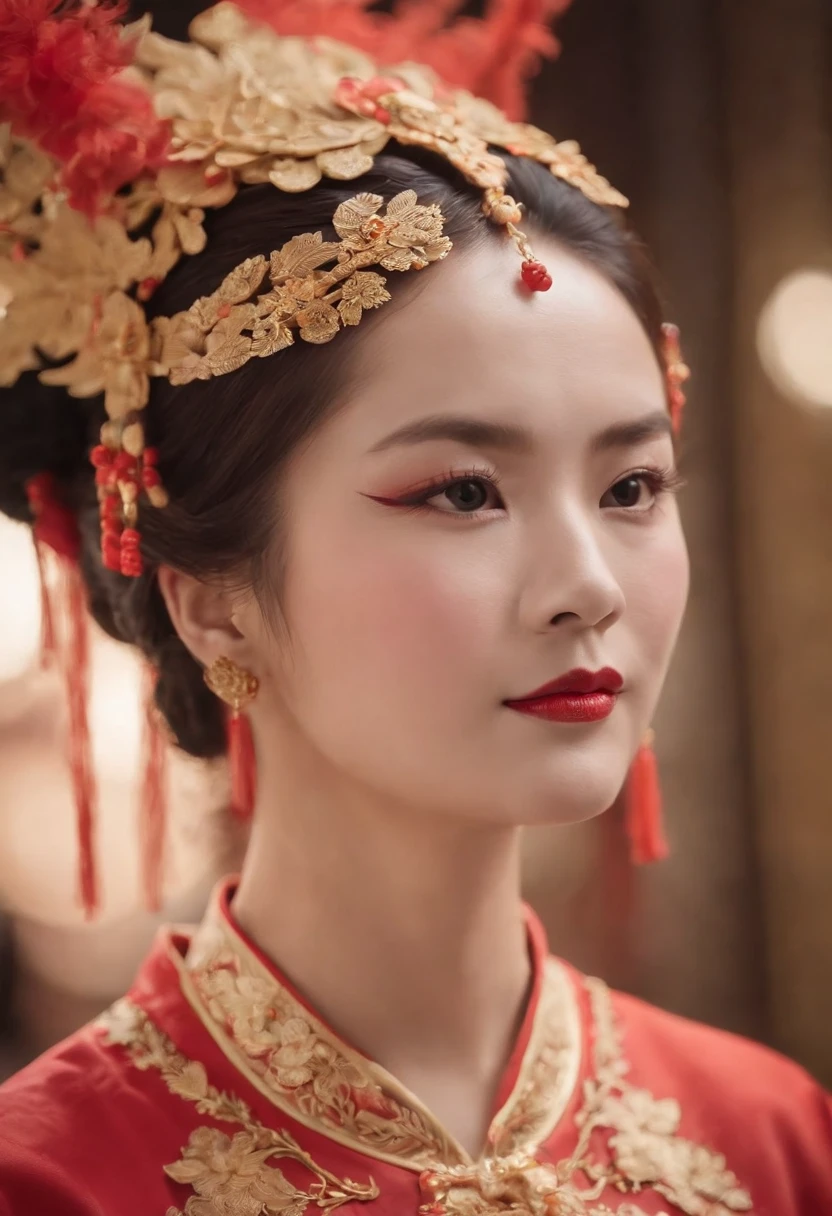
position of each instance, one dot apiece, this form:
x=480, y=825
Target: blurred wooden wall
x=715, y=118
x=779, y=84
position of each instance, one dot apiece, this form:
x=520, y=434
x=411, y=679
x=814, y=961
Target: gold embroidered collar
x=301, y=1065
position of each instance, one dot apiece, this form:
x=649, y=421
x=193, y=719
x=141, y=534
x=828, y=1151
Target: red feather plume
x=492, y=56
x=60, y=86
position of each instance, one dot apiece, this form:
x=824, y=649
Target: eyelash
x=660, y=481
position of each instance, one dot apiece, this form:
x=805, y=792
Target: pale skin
x=383, y=870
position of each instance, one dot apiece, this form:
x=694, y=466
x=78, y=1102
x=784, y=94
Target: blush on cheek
x=656, y=602
x=416, y=611
x=383, y=615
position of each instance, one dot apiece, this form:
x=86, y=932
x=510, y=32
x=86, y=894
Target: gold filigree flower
x=25, y=175
x=116, y=359
x=499, y=1187
x=363, y=291
x=231, y=1177
x=335, y=1077
x=61, y=289
x=291, y=1061
x=247, y=106
x=318, y=322
x=243, y=1003
x=566, y=161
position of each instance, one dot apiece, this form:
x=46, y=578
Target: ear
x=205, y=617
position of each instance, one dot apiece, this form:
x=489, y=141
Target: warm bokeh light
x=19, y=602
x=115, y=708
x=794, y=337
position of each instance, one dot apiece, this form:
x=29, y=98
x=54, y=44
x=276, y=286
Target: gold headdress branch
x=243, y=106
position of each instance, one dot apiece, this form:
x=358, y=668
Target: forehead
x=469, y=338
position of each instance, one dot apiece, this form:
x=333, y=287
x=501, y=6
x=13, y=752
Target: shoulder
x=712, y=1061
x=73, y=1076
x=71, y=1121
x=735, y=1094
x=55, y=1121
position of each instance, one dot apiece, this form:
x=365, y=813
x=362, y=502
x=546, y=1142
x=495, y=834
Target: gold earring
x=232, y=684
x=236, y=687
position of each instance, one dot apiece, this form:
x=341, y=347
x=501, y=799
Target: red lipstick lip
x=578, y=682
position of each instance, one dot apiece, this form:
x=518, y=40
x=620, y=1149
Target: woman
x=436, y=563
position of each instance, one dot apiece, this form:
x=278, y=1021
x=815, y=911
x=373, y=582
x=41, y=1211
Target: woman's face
x=486, y=513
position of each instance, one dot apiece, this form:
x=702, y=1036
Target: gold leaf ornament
x=221, y=332
x=318, y=323
x=301, y=255
x=365, y=289
x=117, y=359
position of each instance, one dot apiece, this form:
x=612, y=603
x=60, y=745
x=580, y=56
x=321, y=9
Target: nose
x=573, y=580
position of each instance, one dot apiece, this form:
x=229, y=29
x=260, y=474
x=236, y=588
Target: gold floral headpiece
x=239, y=104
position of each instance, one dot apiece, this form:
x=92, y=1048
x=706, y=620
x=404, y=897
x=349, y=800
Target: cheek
x=411, y=610
x=656, y=597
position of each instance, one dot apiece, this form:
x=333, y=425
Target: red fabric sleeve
x=30, y=1183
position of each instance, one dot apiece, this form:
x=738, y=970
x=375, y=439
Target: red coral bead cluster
x=119, y=478
x=535, y=276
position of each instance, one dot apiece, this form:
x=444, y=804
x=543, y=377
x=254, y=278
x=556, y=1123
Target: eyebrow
x=509, y=437
x=475, y=432
x=630, y=434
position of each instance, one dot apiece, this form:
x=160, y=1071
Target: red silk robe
x=213, y=1089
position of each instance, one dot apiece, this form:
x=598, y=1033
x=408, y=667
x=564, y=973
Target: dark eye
x=629, y=492
x=466, y=495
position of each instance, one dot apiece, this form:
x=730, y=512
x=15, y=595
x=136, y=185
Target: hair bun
x=41, y=430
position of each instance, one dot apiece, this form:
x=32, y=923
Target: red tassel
x=76, y=674
x=243, y=765
x=65, y=638
x=47, y=616
x=152, y=815
x=644, y=809
x=61, y=85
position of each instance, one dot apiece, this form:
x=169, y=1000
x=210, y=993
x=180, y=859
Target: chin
x=573, y=793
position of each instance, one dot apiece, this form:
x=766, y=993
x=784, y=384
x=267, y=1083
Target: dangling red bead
x=644, y=809
x=535, y=276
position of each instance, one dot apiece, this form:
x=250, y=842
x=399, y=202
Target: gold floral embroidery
x=293, y=1059
x=627, y=1139
x=645, y=1148
x=308, y=1072
x=231, y=1175
x=646, y=1155
x=548, y=1074
x=517, y=1186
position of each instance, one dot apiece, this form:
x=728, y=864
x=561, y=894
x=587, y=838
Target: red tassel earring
x=236, y=687
x=644, y=807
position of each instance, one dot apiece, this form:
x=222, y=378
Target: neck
x=403, y=931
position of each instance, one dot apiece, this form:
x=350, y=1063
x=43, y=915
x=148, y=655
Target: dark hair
x=222, y=443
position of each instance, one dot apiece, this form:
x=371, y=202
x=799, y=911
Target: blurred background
x=715, y=118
